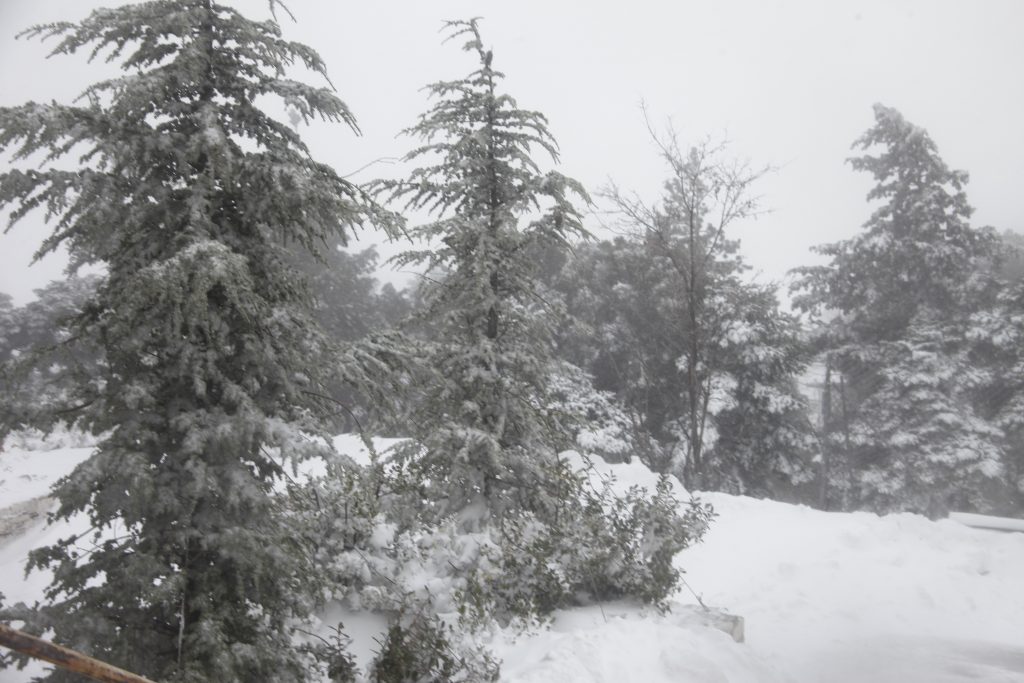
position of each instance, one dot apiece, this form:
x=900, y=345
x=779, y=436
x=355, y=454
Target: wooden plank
x=988, y=521
x=65, y=658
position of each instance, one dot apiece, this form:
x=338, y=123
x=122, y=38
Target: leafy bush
x=371, y=550
x=601, y=546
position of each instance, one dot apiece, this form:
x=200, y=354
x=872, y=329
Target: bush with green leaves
x=601, y=545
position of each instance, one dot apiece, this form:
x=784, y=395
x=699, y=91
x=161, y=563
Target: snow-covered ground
x=826, y=597
x=837, y=598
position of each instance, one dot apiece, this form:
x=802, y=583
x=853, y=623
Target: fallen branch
x=65, y=658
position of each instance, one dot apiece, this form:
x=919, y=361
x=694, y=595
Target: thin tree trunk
x=826, y=448
x=693, y=381
x=846, y=431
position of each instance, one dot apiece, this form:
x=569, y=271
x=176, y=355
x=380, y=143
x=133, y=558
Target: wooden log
x=65, y=658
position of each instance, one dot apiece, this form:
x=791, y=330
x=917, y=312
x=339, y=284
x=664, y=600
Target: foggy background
x=788, y=84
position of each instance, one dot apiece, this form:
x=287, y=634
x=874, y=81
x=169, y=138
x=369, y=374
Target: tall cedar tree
x=488, y=442
x=188, y=194
x=489, y=423
x=904, y=432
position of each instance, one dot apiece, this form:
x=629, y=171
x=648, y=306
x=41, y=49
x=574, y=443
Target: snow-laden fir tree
x=995, y=330
x=903, y=431
x=488, y=426
x=489, y=444
x=916, y=252
x=763, y=441
x=188, y=194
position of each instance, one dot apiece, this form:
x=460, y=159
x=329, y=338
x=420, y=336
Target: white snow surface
x=826, y=597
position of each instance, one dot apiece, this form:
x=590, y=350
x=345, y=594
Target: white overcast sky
x=789, y=83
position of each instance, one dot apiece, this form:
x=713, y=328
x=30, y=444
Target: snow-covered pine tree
x=904, y=431
x=489, y=445
x=764, y=442
x=188, y=194
x=527, y=533
x=916, y=252
x=995, y=330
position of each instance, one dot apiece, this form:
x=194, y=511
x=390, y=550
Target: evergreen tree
x=354, y=311
x=487, y=438
x=39, y=358
x=188, y=194
x=1011, y=255
x=917, y=250
x=620, y=330
x=908, y=435
x=43, y=322
x=9, y=341
x=764, y=441
x=526, y=532
x=995, y=331
x=349, y=302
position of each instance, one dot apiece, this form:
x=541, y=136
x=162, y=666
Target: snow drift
x=826, y=597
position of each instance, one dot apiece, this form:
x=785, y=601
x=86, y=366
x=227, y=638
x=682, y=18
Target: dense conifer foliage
x=487, y=430
x=903, y=430
x=487, y=435
x=187, y=193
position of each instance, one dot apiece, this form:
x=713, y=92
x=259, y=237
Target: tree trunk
x=826, y=447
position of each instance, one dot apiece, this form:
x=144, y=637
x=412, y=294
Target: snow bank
x=622, y=644
x=836, y=597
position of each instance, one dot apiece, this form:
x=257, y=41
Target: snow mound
x=835, y=598
x=622, y=644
